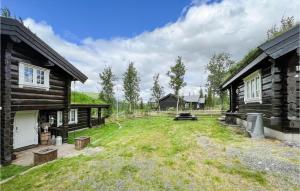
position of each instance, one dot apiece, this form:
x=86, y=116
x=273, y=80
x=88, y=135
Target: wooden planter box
x=44, y=155
x=81, y=142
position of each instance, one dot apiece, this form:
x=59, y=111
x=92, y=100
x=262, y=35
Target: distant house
x=167, y=102
x=270, y=85
x=193, y=102
x=187, y=102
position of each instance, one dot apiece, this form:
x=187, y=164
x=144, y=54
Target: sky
x=152, y=34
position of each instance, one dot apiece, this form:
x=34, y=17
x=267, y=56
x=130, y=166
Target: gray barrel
x=255, y=125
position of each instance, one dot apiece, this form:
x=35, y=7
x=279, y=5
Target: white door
x=25, y=128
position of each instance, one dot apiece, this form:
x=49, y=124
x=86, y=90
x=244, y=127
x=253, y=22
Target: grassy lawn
x=11, y=170
x=154, y=153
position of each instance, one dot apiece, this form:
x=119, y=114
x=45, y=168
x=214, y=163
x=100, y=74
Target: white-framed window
x=33, y=76
x=73, y=116
x=252, y=85
x=59, y=118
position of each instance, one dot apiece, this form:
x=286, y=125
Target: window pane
x=257, y=86
x=252, y=88
x=248, y=90
x=42, y=77
x=72, y=115
x=38, y=76
x=28, y=74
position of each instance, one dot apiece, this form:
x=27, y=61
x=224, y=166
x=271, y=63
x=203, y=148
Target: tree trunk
x=177, y=104
x=158, y=107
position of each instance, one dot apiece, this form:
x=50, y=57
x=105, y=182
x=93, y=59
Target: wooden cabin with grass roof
x=269, y=84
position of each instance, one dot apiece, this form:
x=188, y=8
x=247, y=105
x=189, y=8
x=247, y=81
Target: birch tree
x=131, y=86
x=157, y=90
x=176, y=74
x=107, y=79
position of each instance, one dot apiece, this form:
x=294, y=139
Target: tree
x=201, y=95
x=176, y=74
x=286, y=24
x=131, y=85
x=141, y=104
x=157, y=90
x=209, y=99
x=218, y=67
x=107, y=79
x=5, y=12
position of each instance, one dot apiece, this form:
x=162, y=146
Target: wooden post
x=6, y=114
x=99, y=116
x=231, y=98
x=90, y=117
x=66, y=112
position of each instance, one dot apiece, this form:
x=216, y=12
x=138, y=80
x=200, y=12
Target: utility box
x=255, y=125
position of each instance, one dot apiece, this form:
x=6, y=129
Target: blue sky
x=151, y=33
x=108, y=19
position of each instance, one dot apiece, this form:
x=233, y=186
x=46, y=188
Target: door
x=25, y=129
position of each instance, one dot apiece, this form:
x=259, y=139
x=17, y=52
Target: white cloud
x=232, y=26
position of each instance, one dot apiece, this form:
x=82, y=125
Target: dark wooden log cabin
x=270, y=85
x=35, y=90
x=89, y=115
x=167, y=102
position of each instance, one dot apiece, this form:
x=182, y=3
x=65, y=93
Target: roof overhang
x=73, y=106
x=282, y=44
x=256, y=61
x=15, y=29
x=168, y=95
x=274, y=48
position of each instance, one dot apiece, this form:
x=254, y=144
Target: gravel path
x=272, y=157
x=269, y=159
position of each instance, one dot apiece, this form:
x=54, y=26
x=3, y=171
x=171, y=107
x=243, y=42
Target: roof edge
x=257, y=60
x=41, y=46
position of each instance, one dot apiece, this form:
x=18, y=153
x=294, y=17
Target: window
x=59, y=118
x=40, y=77
x=252, y=85
x=73, y=116
x=33, y=76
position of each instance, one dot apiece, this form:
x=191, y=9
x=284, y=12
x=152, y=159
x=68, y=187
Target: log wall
x=280, y=94
x=27, y=98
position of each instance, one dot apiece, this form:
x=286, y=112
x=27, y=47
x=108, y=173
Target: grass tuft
x=239, y=170
x=128, y=169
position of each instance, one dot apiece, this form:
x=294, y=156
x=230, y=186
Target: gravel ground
x=269, y=156
x=265, y=158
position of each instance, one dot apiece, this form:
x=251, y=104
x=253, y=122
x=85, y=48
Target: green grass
x=84, y=98
x=11, y=170
x=239, y=170
x=93, y=95
x=151, y=153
